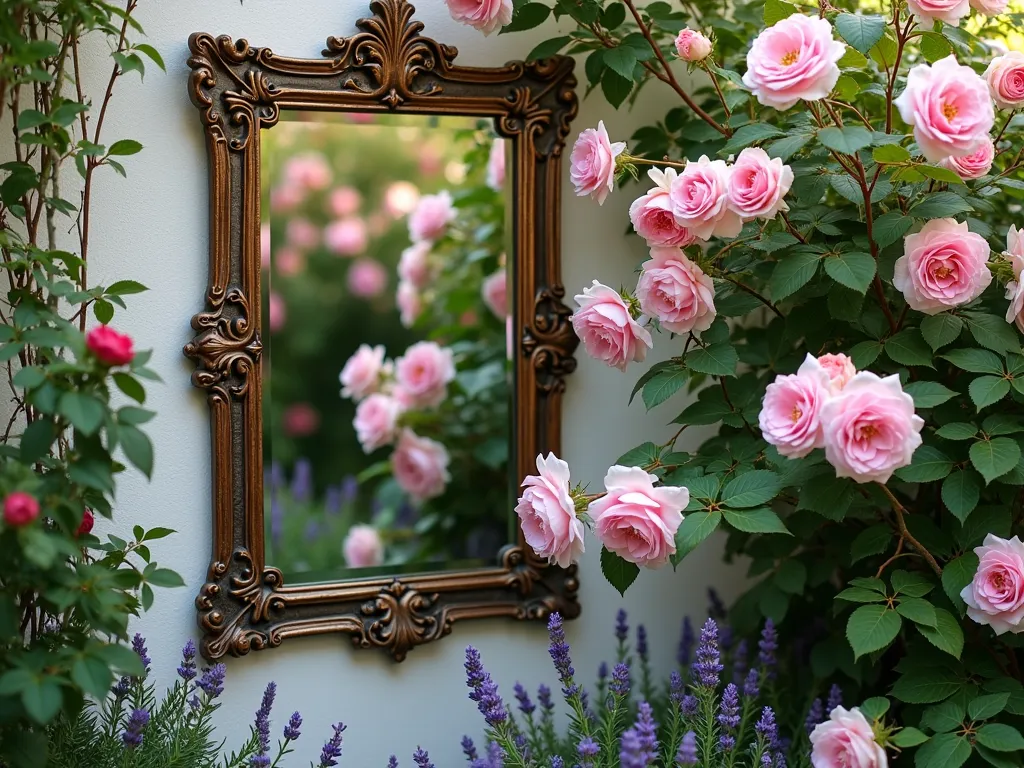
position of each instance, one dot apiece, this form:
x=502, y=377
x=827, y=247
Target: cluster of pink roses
x=928, y=12
x=635, y=518
x=865, y=423
x=384, y=390
x=428, y=222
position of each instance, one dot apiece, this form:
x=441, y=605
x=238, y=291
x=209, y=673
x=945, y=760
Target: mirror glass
x=387, y=369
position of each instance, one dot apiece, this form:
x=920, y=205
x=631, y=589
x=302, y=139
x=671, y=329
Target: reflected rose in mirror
x=496, y=166
x=495, y=293
x=367, y=278
x=347, y=237
x=362, y=372
x=423, y=373
x=420, y=466
x=301, y=233
x=401, y=198
x=430, y=160
x=363, y=547
x=376, y=421
x=345, y=201
x=361, y=118
x=430, y=219
x=265, y=245
x=410, y=303
x=414, y=265
x=286, y=197
x=276, y=312
x=308, y=171
x=289, y=262
x=300, y=420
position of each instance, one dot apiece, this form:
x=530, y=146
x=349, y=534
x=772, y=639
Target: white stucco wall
x=153, y=227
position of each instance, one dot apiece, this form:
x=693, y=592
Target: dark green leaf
x=83, y=410
x=854, y=270
x=890, y=227
x=909, y=348
x=956, y=575
x=941, y=329
x=945, y=717
x=37, y=439
x=890, y=153
x=714, y=360
x=871, y=541
x=125, y=147
x=910, y=584
x=1000, y=737
x=792, y=273
x=791, y=577
x=622, y=60
x=777, y=10
x=846, y=141
x=751, y=489
x=42, y=700
x=960, y=493
x=761, y=520
x=928, y=394
x=975, y=360
x=130, y=386
x=986, y=390
x=871, y=628
x=994, y=457
x=124, y=288
x=927, y=465
x=164, y=577
x=984, y=707
x=619, y=573
x=137, y=448
x=939, y=205
x=946, y=750
x=528, y=16
x=663, y=385
x=860, y=595
x=747, y=135
x=917, y=610
x=947, y=636
x=788, y=146
x=862, y=32
x=92, y=675
x=908, y=737
x=696, y=527
x=615, y=87
x=152, y=53
x=934, y=47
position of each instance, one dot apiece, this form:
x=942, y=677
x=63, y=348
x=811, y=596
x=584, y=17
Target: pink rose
x=675, y=290
x=608, y=331
x=592, y=163
x=990, y=7
x=431, y=217
x=109, y=346
x=949, y=106
x=757, y=185
x=410, y=303
x=949, y=11
x=496, y=165
x=363, y=547
x=846, y=740
x=300, y=420
x=289, y=261
x=277, y=312
x=300, y=233
x=840, y=370
x=346, y=237
x=345, y=201
x=790, y=417
x=376, y=421
x=420, y=466
x=361, y=375
x=794, y=59
x=414, y=264
x=430, y=160
x=652, y=214
x=942, y=266
x=285, y=197
x=20, y=508
x=1015, y=287
x=1005, y=77
x=974, y=165
x=548, y=515
x=424, y=371
x=495, y=293
x=996, y=594
x=400, y=199
x=367, y=278
x=484, y=15
x=691, y=45
x=309, y=171
x=700, y=200
x=871, y=429
x=637, y=521
x=265, y=245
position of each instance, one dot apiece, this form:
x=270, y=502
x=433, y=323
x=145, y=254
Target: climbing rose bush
x=833, y=294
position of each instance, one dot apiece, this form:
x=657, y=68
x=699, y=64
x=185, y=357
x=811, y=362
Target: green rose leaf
x=908, y=348
x=975, y=360
x=908, y=737
x=890, y=227
x=755, y=521
x=917, y=610
x=986, y=390
x=947, y=635
x=751, y=489
x=747, y=135
x=1000, y=737
x=777, y=10
x=928, y=464
x=854, y=270
x=984, y=707
x=940, y=205
x=957, y=430
x=941, y=329
x=928, y=394
x=619, y=572
x=847, y=141
x=945, y=717
x=945, y=750
x=862, y=32
x=871, y=628
x=792, y=273
x=696, y=527
x=663, y=385
x=960, y=493
x=890, y=153
x=714, y=359
x=956, y=575
x=995, y=457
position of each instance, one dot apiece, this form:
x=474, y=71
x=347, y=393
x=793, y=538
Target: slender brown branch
x=906, y=534
x=793, y=230
x=891, y=560
x=857, y=112
x=753, y=293
x=714, y=82
x=902, y=35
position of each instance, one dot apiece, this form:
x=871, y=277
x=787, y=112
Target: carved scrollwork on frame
x=387, y=66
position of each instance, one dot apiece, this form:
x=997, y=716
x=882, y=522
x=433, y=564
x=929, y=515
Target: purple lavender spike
x=621, y=627
x=291, y=731
x=332, y=749
x=707, y=669
x=835, y=698
x=422, y=759
x=687, y=754
x=302, y=480
x=767, y=646
x=685, y=644
x=137, y=721
x=815, y=715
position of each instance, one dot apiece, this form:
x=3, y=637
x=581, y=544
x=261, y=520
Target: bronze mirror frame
x=388, y=66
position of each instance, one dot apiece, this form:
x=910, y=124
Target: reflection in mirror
x=387, y=369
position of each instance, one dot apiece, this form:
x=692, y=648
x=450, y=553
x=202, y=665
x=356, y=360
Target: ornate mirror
x=384, y=341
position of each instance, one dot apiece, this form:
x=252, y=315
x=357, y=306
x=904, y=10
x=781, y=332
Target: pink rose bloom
x=949, y=11
x=1005, y=77
x=846, y=740
x=484, y=15
x=265, y=245
x=424, y=371
x=996, y=594
x=431, y=217
x=794, y=59
x=608, y=331
x=430, y=160
x=400, y=199
x=652, y=214
x=942, y=266
x=376, y=421
x=871, y=429
x=548, y=514
x=20, y=508
x=361, y=375
x=790, y=417
x=949, y=106
x=757, y=185
x=289, y=261
x=414, y=264
x=277, y=313
x=636, y=520
x=496, y=165
x=285, y=197
x=592, y=163
x=420, y=466
x=344, y=201
x=346, y=237
x=700, y=200
x=691, y=45
x=309, y=171
x=410, y=303
x=495, y=293
x=990, y=7
x=300, y=233
x=974, y=165
x=109, y=346
x=300, y=420
x=1015, y=287
x=363, y=547
x=840, y=370
x=367, y=278
x=675, y=290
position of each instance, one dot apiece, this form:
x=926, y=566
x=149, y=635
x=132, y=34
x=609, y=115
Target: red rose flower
x=20, y=508
x=87, y=522
x=111, y=347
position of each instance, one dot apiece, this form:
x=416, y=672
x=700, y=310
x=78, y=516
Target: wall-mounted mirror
x=385, y=341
